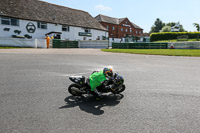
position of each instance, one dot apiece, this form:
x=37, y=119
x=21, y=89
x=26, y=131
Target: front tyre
x=74, y=89
x=121, y=89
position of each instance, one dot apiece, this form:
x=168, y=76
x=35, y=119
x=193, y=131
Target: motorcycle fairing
x=78, y=79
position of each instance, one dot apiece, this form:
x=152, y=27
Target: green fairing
x=96, y=79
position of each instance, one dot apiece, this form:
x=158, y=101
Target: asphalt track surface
x=162, y=93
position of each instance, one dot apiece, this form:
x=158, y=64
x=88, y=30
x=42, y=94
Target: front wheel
x=121, y=89
x=74, y=89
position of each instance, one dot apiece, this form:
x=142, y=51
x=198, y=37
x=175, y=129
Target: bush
x=172, y=35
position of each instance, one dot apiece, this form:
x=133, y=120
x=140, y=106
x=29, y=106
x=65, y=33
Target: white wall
x=33, y=43
x=73, y=34
x=184, y=45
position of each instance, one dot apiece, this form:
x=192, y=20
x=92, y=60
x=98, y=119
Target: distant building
x=145, y=37
x=120, y=29
x=34, y=19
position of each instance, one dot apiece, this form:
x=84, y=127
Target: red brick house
x=120, y=28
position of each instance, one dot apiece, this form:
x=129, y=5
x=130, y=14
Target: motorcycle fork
x=112, y=90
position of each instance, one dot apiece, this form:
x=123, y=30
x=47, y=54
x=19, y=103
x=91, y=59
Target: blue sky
x=141, y=12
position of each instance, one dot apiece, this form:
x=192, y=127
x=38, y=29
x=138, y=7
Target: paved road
x=162, y=95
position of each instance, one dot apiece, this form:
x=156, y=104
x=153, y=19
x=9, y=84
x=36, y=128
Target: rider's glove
x=105, y=83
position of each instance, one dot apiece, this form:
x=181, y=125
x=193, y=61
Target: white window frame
x=87, y=30
x=113, y=28
x=40, y=24
x=9, y=21
x=65, y=28
x=107, y=27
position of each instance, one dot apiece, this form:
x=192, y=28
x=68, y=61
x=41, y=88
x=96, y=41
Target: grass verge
x=168, y=52
x=2, y=47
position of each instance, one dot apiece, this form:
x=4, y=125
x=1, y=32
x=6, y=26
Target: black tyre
x=74, y=89
x=121, y=89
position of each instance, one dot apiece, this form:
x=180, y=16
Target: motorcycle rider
x=97, y=78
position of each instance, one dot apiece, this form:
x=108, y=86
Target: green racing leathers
x=96, y=79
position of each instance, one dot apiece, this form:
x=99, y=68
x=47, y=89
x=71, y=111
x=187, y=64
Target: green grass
x=2, y=47
x=168, y=52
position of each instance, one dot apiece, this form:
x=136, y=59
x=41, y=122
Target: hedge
x=172, y=35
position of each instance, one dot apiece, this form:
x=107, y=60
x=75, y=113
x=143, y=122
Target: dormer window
x=113, y=28
x=87, y=30
x=107, y=27
x=65, y=28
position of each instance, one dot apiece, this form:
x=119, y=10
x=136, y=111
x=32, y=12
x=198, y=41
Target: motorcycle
x=81, y=85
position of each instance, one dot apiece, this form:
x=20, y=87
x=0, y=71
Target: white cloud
x=103, y=8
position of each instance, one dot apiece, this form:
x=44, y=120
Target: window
x=107, y=27
x=136, y=32
x=87, y=30
x=65, y=28
x=10, y=21
x=14, y=22
x=130, y=30
x=113, y=28
x=126, y=30
x=5, y=21
x=42, y=25
x=122, y=29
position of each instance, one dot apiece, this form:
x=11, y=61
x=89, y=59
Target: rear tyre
x=74, y=89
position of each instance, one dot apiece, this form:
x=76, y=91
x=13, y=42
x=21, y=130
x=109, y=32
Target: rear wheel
x=121, y=89
x=74, y=89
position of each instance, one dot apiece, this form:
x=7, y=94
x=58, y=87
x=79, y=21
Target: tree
x=173, y=24
x=198, y=28
x=166, y=29
x=158, y=25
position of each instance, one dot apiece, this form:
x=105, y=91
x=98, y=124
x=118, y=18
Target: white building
x=34, y=19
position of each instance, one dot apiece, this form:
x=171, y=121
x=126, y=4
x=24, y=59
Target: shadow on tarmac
x=90, y=105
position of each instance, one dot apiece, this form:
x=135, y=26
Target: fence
x=80, y=44
x=139, y=45
x=94, y=44
x=21, y=42
x=57, y=43
x=184, y=45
